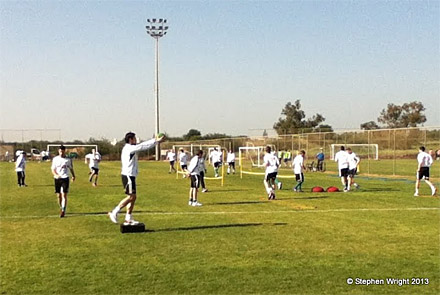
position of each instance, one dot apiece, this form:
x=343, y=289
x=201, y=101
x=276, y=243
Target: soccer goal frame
x=57, y=145
x=373, y=146
x=258, y=149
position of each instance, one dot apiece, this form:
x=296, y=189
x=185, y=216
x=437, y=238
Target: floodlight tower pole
x=157, y=28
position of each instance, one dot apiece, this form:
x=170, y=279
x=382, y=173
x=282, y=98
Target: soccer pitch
x=238, y=242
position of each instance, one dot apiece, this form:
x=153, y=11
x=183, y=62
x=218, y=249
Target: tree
x=369, y=125
x=408, y=115
x=293, y=120
x=192, y=134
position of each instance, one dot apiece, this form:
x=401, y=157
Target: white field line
x=238, y=212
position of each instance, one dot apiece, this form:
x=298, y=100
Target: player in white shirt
x=183, y=160
x=20, y=166
x=60, y=169
x=353, y=164
x=231, y=162
x=129, y=159
x=271, y=162
x=171, y=157
x=298, y=170
x=93, y=160
x=342, y=158
x=216, y=159
x=193, y=172
x=424, y=161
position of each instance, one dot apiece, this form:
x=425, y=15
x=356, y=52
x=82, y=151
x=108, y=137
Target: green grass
x=237, y=243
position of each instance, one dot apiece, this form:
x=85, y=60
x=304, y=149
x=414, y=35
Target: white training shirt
x=20, y=163
x=353, y=160
x=271, y=163
x=129, y=157
x=94, y=160
x=216, y=156
x=61, y=166
x=183, y=158
x=298, y=164
x=194, y=166
x=342, y=158
x=171, y=156
x=424, y=159
x=230, y=158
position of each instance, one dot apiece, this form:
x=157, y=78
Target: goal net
x=362, y=150
x=251, y=156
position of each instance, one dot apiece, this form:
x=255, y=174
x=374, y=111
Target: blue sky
x=87, y=67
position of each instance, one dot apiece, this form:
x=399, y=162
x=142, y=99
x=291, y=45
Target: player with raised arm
x=193, y=171
x=298, y=170
x=93, y=160
x=424, y=161
x=129, y=159
x=270, y=161
x=60, y=167
x=353, y=164
x=341, y=158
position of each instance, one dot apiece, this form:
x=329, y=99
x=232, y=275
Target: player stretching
x=194, y=172
x=353, y=164
x=231, y=162
x=94, y=158
x=60, y=166
x=425, y=161
x=171, y=157
x=342, y=158
x=271, y=163
x=298, y=170
x=129, y=159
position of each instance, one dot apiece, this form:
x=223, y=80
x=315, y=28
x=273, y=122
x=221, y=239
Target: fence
x=397, y=148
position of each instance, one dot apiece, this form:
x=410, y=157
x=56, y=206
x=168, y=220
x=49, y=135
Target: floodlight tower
x=156, y=28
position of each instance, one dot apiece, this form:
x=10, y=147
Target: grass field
x=237, y=243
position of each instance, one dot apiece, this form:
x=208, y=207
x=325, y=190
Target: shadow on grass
x=213, y=227
x=381, y=189
x=238, y=203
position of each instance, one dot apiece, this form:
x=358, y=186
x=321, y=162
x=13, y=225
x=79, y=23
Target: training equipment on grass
x=362, y=150
x=136, y=228
x=318, y=189
x=332, y=189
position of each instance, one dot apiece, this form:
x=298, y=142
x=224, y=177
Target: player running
x=271, y=163
x=171, y=157
x=93, y=159
x=60, y=170
x=424, y=163
x=231, y=162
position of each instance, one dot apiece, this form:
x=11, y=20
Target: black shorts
x=129, y=184
x=343, y=172
x=95, y=170
x=172, y=163
x=423, y=173
x=299, y=177
x=184, y=167
x=232, y=164
x=195, y=181
x=61, y=185
x=217, y=164
x=352, y=172
x=271, y=176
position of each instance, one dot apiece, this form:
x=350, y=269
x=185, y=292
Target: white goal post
x=373, y=147
x=57, y=145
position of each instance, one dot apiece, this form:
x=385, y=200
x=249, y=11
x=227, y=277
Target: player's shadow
x=213, y=227
x=238, y=203
x=381, y=189
x=307, y=198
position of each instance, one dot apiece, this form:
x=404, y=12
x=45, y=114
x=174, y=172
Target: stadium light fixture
x=157, y=28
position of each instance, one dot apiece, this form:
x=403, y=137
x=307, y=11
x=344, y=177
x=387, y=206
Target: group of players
x=347, y=160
